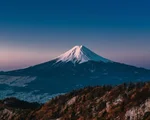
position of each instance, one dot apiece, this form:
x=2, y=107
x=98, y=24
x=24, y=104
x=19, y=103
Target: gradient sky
x=35, y=31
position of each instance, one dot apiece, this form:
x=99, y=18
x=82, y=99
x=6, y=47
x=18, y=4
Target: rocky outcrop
x=123, y=102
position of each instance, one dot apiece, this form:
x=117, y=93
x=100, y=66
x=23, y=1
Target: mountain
x=80, y=54
x=121, y=102
x=76, y=68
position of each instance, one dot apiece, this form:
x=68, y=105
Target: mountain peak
x=78, y=47
x=80, y=54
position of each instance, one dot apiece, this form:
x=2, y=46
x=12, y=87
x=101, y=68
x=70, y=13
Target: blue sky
x=32, y=31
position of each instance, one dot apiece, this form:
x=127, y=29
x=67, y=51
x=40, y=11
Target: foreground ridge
x=125, y=102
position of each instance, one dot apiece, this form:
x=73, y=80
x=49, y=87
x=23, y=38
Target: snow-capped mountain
x=80, y=54
x=74, y=69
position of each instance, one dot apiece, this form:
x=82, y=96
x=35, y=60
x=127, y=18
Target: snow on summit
x=80, y=54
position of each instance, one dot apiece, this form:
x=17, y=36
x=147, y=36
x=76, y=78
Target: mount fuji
x=76, y=68
x=80, y=54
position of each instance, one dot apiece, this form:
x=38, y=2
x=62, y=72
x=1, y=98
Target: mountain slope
x=74, y=69
x=123, y=102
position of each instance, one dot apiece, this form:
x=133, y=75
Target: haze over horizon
x=33, y=32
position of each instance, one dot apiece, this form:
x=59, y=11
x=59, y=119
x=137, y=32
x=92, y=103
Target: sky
x=36, y=31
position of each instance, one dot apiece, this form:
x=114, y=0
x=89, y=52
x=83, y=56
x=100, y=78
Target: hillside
x=122, y=102
x=14, y=109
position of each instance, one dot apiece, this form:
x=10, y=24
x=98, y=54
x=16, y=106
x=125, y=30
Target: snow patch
x=80, y=54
